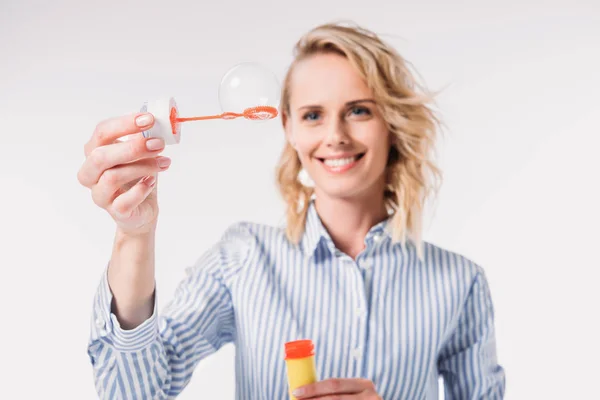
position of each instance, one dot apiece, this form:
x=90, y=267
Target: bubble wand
x=247, y=86
x=253, y=113
x=167, y=123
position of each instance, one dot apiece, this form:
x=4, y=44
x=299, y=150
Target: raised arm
x=156, y=359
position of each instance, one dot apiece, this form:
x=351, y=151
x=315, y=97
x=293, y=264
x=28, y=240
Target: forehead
x=326, y=80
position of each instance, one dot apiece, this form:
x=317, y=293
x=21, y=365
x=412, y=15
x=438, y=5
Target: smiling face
x=335, y=126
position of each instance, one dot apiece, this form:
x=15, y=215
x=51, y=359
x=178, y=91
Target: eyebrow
x=350, y=103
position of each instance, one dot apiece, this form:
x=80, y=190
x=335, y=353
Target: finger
x=108, y=156
x=333, y=386
x=370, y=395
x=128, y=201
x=107, y=188
x=111, y=129
x=130, y=137
x=360, y=396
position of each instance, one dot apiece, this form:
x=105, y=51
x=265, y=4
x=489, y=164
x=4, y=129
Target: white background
x=519, y=155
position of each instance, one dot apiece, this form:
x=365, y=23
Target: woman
x=387, y=312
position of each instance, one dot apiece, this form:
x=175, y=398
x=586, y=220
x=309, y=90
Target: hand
x=338, y=389
x=113, y=168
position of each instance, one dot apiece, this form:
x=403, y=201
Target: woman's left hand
x=340, y=389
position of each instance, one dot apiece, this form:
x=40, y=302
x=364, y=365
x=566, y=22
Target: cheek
x=306, y=145
x=380, y=150
x=374, y=136
x=383, y=148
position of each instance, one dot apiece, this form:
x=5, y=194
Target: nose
x=337, y=134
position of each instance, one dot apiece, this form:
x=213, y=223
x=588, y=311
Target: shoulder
x=460, y=271
x=442, y=257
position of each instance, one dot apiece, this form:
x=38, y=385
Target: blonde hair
x=410, y=173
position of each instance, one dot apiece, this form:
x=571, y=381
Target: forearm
x=131, y=278
x=157, y=357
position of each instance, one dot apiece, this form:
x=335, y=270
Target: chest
x=371, y=317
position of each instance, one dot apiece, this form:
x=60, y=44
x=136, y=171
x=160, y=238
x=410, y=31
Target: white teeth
x=339, y=162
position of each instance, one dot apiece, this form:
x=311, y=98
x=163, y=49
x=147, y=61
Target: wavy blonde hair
x=410, y=172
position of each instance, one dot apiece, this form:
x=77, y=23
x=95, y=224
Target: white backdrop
x=519, y=156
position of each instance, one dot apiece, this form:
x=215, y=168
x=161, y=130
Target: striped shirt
x=386, y=316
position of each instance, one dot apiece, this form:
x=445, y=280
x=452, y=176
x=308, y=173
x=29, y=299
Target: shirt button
x=377, y=237
x=368, y=263
x=357, y=353
x=359, y=312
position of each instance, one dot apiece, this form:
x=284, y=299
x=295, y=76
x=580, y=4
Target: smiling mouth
x=340, y=164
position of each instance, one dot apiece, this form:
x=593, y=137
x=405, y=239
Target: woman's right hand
x=121, y=174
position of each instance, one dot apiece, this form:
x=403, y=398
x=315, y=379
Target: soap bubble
x=248, y=85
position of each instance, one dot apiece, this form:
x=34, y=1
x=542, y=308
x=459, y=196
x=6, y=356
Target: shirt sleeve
x=468, y=361
x=157, y=358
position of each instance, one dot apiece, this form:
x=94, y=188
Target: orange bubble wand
x=258, y=113
x=168, y=122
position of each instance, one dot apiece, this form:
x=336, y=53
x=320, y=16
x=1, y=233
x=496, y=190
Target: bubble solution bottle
x=300, y=363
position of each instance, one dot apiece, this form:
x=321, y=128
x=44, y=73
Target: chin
x=342, y=189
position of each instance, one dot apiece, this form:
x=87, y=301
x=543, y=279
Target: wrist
x=138, y=235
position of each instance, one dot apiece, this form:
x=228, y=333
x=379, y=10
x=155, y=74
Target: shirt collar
x=315, y=232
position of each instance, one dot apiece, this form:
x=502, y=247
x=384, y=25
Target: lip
x=343, y=168
x=339, y=155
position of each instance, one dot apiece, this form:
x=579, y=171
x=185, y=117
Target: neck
x=349, y=220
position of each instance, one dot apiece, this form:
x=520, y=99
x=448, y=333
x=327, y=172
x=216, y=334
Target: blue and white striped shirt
x=385, y=316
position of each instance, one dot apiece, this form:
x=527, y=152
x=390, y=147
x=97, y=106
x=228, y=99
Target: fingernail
x=154, y=144
x=298, y=392
x=164, y=162
x=143, y=120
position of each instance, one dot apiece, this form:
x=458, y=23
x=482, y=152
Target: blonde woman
x=388, y=312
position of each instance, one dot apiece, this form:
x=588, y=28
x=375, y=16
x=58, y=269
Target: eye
x=310, y=116
x=360, y=111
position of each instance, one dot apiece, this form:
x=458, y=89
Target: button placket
x=359, y=312
x=366, y=268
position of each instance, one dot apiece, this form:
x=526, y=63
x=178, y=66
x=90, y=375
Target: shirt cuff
x=106, y=325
